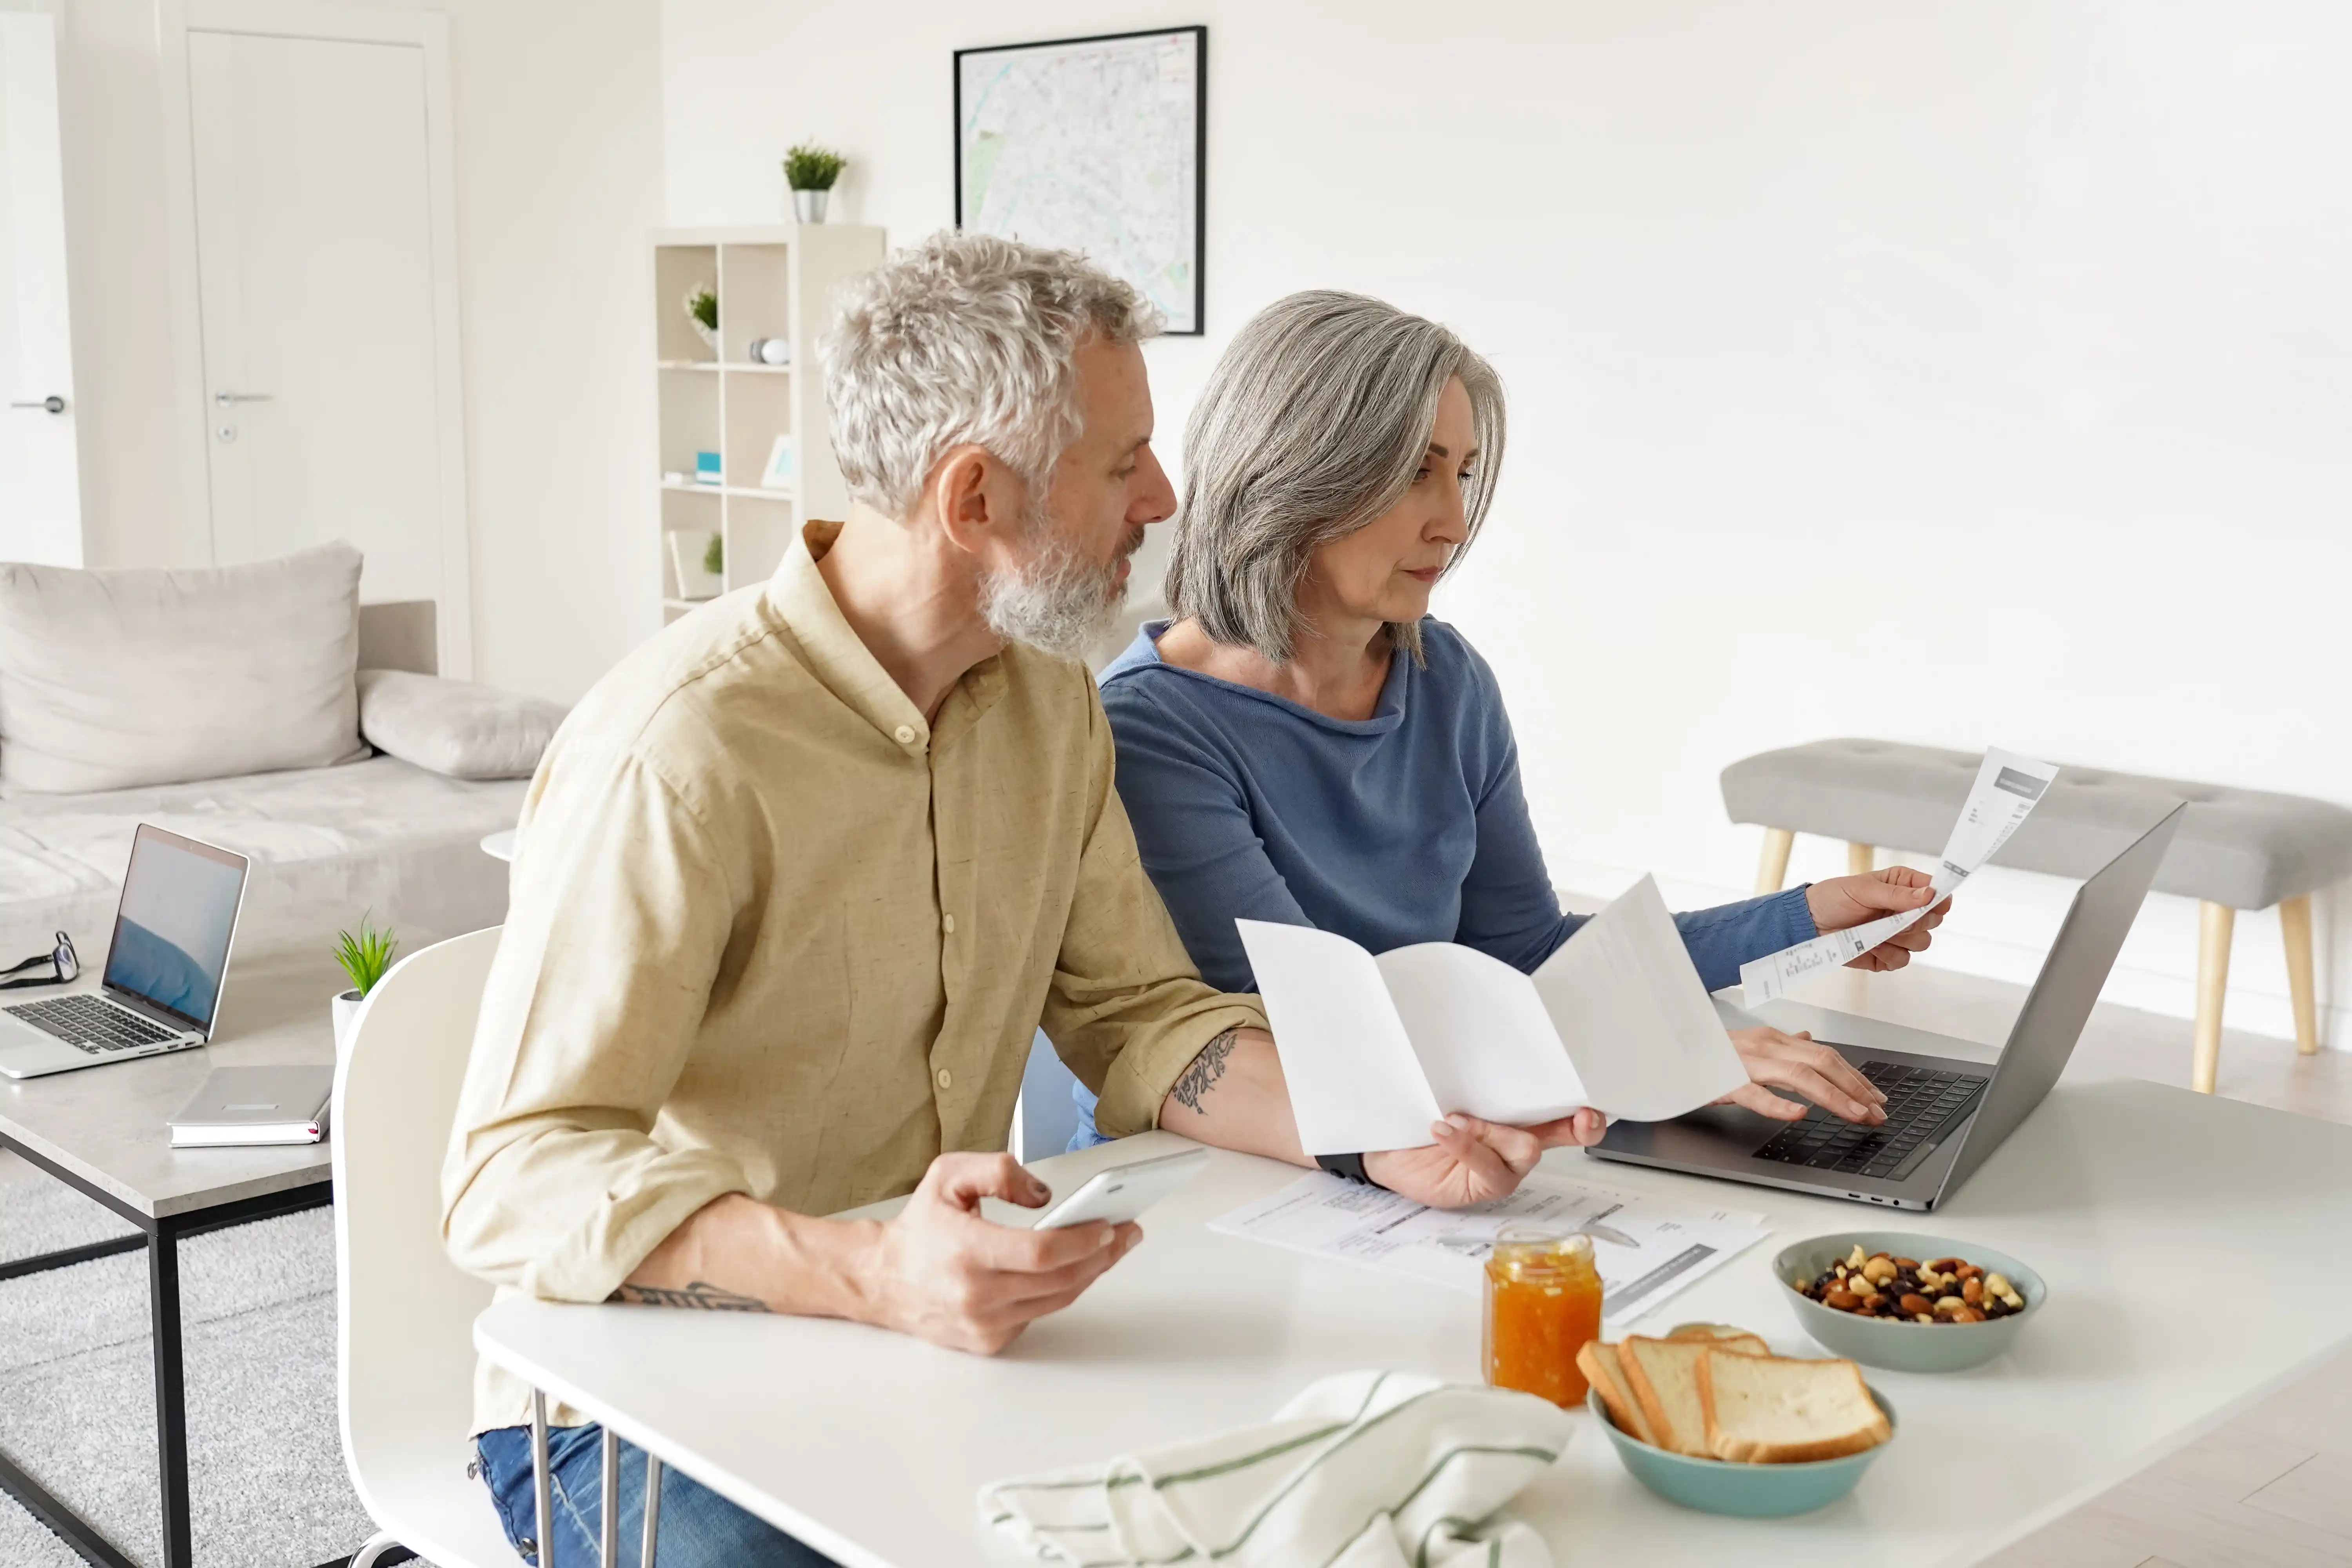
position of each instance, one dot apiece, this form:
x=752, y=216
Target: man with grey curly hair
x=800, y=879
x=972, y=341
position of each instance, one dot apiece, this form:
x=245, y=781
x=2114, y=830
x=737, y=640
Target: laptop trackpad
x=1707, y=1133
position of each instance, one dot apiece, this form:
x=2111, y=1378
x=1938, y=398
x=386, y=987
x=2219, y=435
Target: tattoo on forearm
x=699, y=1295
x=1206, y=1069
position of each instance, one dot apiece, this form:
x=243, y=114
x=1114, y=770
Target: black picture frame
x=1197, y=35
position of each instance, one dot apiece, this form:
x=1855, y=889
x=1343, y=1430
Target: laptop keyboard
x=1920, y=1103
x=91, y=1024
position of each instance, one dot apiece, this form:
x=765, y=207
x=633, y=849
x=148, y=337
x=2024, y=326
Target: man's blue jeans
x=700, y=1528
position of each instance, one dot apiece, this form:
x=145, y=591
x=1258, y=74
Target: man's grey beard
x=1057, y=601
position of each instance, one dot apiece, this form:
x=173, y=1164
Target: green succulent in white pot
x=363, y=955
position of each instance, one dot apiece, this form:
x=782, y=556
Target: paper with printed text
x=1644, y=1248
x=2006, y=791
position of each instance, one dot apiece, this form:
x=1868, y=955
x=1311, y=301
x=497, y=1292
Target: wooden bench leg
x=2213, y=925
x=1773, y=869
x=1861, y=859
x=2295, y=925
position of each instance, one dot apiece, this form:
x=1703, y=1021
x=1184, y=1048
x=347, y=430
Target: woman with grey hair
x=1305, y=743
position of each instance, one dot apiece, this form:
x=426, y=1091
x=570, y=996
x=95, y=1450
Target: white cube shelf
x=772, y=281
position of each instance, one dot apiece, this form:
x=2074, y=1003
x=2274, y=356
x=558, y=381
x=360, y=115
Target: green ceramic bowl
x=1900, y=1346
x=1750, y=1492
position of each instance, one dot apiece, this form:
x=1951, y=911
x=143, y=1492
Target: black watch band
x=1348, y=1165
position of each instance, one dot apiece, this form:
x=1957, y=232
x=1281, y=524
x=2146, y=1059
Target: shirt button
x=946, y=1078
x=906, y=733
x=947, y=923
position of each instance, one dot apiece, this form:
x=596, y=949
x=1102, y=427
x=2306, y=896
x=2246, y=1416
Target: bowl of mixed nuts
x=1908, y=1302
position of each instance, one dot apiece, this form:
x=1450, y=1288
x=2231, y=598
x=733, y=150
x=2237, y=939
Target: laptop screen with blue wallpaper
x=171, y=932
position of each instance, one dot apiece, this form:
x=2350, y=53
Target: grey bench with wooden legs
x=2236, y=850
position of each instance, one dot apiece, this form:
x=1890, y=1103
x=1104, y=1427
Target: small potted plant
x=365, y=956
x=810, y=171
x=702, y=310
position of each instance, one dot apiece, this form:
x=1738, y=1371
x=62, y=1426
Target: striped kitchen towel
x=1366, y=1469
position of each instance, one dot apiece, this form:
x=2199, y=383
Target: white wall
x=558, y=132
x=560, y=168
x=1975, y=374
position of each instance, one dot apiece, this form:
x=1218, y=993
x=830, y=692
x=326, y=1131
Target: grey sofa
x=326, y=844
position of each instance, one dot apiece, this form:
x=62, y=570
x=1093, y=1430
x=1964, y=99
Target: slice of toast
x=1773, y=1410
x=1603, y=1370
x=1723, y=1337
x=1663, y=1376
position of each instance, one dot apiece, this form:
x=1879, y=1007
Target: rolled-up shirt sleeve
x=620, y=916
x=1127, y=1010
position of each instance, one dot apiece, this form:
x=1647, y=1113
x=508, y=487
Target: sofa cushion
x=115, y=679
x=455, y=727
x=380, y=838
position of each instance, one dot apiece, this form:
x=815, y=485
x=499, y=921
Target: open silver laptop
x=1944, y=1115
x=165, y=968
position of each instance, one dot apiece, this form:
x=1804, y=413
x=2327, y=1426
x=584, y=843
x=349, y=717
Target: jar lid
x=1528, y=1249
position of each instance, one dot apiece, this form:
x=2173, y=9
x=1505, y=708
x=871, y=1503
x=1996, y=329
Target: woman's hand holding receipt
x=1845, y=902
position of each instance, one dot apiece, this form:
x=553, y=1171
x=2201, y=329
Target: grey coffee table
x=102, y=1130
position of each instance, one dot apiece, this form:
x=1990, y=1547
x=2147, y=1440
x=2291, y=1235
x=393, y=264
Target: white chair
x=405, y=1313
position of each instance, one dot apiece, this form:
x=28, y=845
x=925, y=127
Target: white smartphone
x=1123, y=1192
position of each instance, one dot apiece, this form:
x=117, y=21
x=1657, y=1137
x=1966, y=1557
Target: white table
x=2196, y=1251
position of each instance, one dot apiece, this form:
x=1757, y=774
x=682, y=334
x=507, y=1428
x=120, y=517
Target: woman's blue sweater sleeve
x=1510, y=911
x=1196, y=839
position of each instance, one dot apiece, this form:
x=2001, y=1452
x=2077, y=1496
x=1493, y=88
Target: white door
x=40, y=483
x=328, y=325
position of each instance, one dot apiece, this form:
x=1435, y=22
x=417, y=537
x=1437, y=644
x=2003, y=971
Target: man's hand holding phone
x=946, y=1274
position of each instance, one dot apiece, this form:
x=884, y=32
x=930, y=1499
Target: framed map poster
x=1097, y=145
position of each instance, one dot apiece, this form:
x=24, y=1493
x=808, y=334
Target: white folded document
x=1375, y=1049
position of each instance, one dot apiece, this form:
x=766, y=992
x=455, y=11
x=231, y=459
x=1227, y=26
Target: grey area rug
x=77, y=1387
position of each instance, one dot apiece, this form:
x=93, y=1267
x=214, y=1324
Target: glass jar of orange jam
x=1543, y=1303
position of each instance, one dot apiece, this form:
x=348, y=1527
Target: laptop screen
x=171, y=931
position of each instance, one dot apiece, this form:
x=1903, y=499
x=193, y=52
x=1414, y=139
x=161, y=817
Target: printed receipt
x=2007, y=788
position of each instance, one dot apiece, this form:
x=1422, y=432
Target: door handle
x=226, y=398
x=53, y=403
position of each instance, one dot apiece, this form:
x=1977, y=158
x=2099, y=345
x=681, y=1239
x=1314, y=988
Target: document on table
x=1375, y=1049
x=1645, y=1249
x=2007, y=788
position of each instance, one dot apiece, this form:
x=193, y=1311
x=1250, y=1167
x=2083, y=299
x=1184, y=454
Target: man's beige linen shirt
x=771, y=932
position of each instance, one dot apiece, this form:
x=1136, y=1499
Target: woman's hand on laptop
x=1843, y=901
x=1473, y=1161
x=1795, y=1062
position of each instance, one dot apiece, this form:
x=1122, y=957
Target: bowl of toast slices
x=1710, y=1418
